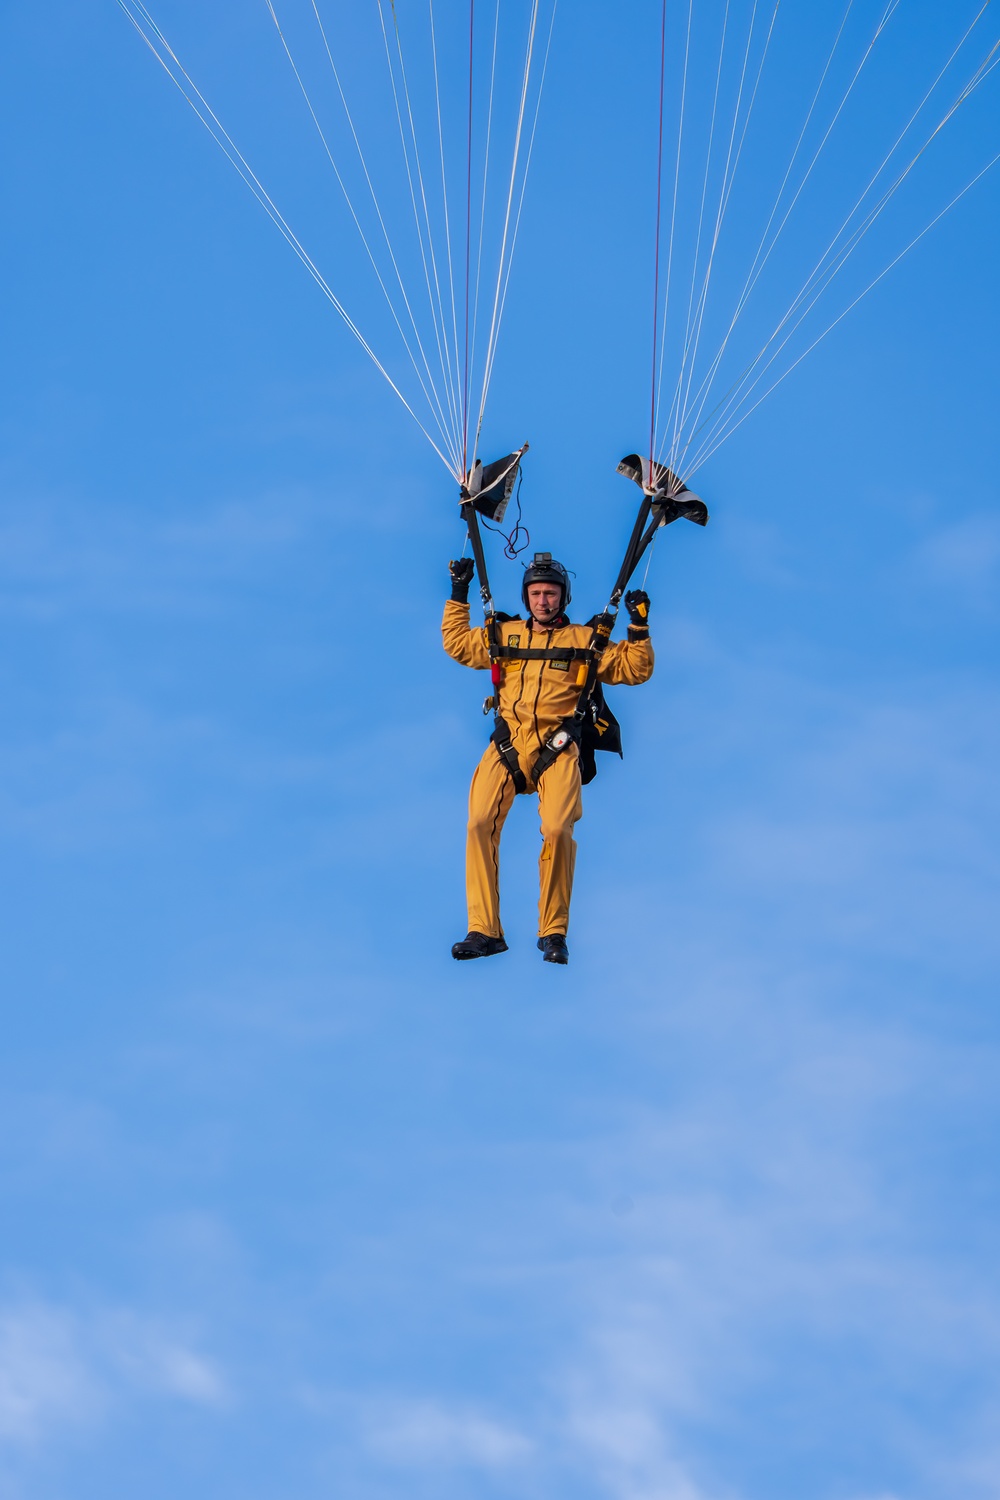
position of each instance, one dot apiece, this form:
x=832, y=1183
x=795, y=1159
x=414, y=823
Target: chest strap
x=551, y=653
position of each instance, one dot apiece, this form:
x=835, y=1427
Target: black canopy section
x=665, y=499
x=489, y=486
x=657, y=481
x=486, y=492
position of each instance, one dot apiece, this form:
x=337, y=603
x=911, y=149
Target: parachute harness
x=591, y=725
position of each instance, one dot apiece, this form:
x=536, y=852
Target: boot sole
x=488, y=953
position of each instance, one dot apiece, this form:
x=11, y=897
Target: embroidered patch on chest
x=513, y=640
x=559, y=666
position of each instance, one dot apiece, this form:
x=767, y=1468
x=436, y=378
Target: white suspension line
x=707, y=454
x=835, y=255
x=760, y=258
x=831, y=249
x=482, y=211
x=845, y=251
x=430, y=392
x=426, y=251
x=426, y=254
x=673, y=219
x=723, y=206
x=141, y=19
x=508, y=208
x=701, y=222
x=459, y=375
x=434, y=280
x=377, y=207
x=888, y=13
x=523, y=189
x=491, y=352
x=675, y=399
x=506, y=239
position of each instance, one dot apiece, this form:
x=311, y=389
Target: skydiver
x=536, y=697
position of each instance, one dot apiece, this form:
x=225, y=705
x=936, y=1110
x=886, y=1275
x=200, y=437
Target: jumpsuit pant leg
x=560, y=807
x=491, y=796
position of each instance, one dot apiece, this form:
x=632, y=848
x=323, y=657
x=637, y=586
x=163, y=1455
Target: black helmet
x=545, y=569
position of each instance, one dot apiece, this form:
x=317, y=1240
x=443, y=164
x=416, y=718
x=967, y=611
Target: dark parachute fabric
x=490, y=485
x=601, y=731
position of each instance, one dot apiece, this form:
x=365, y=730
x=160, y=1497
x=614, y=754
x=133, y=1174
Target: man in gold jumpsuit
x=535, y=697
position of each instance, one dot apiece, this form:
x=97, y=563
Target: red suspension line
x=656, y=262
x=468, y=250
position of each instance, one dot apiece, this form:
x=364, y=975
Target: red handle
x=496, y=672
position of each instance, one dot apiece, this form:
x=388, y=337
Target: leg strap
x=507, y=753
x=567, y=734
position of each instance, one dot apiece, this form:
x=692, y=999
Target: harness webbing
x=505, y=749
x=551, y=653
x=501, y=733
x=570, y=731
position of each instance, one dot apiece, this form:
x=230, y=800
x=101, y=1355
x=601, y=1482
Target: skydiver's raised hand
x=637, y=604
x=461, y=576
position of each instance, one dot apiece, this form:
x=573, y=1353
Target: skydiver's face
x=545, y=602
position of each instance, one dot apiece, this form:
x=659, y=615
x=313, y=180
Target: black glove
x=461, y=576
x=637, y=604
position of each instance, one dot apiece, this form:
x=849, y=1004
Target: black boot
x=478, y=945
x=554, y=949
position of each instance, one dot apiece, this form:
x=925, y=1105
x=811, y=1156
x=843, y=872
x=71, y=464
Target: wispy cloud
x=442, y=1434
x=963, y=558
x=46, y=1380
x=61, y=1368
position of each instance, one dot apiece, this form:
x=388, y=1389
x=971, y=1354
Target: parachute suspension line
x=517, y=216
x=430, y=393
x=729, y=178
x=425, y=235
x=721, y=431
x=673, y=208
x=761, y=256
x=527, y=160
x=468, y=249
x=707, y=454
x=701, y=219
x=836, y=255
x=823, y=273
x=447, y=214
x=653, y=384
x=505, y=239
x=649, y=556
x=482, y=204
x=510, y=229
x=442, y=420
x=154, y=39
x=733, y=159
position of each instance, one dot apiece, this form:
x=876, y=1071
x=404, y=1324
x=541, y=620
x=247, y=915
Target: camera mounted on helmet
x=544, y=569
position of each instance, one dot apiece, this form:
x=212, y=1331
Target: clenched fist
x=461, y=571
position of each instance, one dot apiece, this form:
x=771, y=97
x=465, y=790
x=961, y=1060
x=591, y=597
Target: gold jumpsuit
x=535, y=696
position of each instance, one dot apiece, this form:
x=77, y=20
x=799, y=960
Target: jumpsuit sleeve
x=466, y=646
x=630, y=662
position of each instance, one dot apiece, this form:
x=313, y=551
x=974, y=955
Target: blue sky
x=293, y=1204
